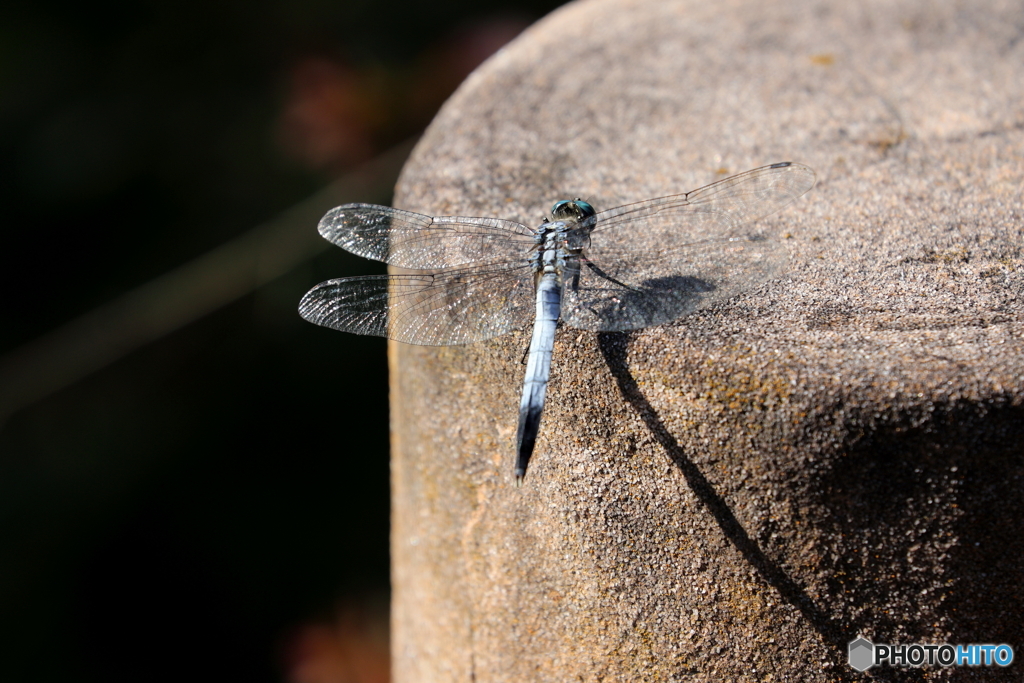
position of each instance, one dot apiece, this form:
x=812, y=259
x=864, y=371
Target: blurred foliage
x=196, y=510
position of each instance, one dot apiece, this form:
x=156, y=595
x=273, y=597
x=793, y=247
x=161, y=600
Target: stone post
x=739, y=494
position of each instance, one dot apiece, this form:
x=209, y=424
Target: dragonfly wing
x=651, y=262
x=455, y=306
x=719, y=210
x=412, y=240
x=625, y=291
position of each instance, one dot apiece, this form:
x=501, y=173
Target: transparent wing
x=619, y=293
x=651, y=262
x=411, y=240
x=715, y=211
x=456, y=306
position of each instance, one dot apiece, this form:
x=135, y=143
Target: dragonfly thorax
x=569, y=223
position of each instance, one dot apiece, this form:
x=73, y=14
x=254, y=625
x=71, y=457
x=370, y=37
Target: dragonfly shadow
x=650, y=302
x=613, y=347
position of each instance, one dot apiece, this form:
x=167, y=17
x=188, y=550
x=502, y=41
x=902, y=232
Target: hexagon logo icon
x=862, y=654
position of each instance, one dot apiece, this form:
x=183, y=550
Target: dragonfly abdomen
x=538, y=366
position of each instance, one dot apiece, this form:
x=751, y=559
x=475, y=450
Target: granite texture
x=738, y=494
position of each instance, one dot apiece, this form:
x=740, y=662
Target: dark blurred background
x=193, y=480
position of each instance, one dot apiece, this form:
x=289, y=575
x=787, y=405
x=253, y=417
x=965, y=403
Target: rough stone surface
x=736, y=495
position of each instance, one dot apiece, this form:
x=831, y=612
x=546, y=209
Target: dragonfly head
x=575, y=210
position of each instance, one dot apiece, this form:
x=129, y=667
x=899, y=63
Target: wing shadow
x=621, y=306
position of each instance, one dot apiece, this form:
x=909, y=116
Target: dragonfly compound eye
x=561, y=210
x=585, y=209
x=576, y=210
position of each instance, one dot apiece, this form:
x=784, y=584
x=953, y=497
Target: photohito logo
x=864, y=654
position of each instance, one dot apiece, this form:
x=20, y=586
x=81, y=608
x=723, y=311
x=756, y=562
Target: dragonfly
x=465, y=280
